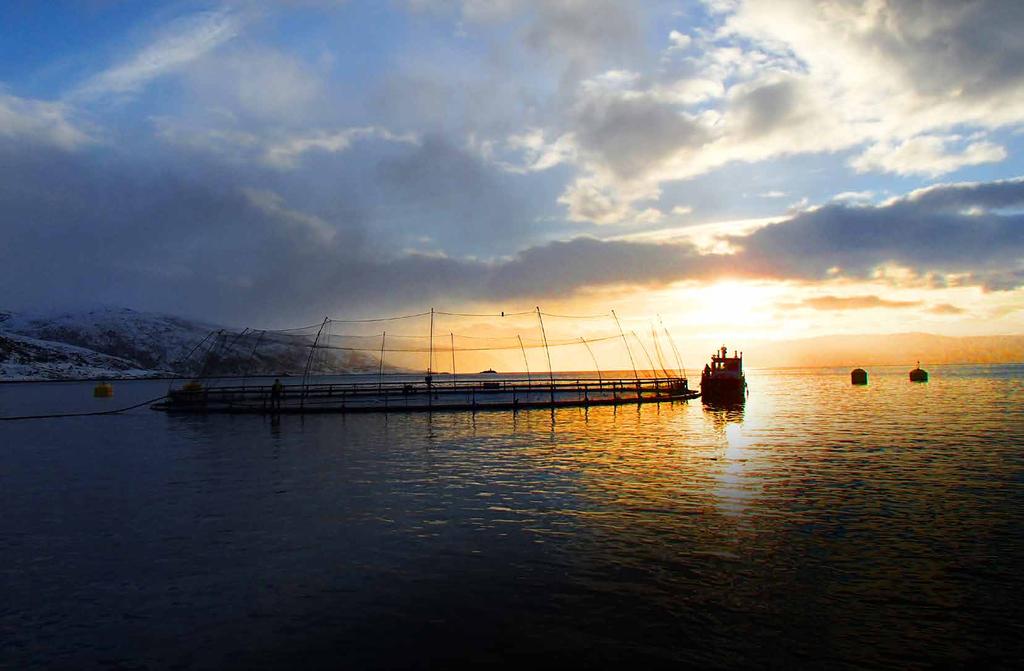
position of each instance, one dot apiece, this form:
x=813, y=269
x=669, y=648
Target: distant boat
x=723, y=378
x=489, y=371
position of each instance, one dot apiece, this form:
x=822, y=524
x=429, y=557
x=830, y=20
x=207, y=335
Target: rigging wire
x=378, y=319
x=481, y=314
x=604, y=315
x=344, y=348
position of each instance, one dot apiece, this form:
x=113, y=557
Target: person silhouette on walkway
x=276, y=391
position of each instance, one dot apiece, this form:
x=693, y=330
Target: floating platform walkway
x=463, y=395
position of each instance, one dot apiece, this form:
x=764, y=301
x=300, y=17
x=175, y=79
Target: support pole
x=551, y=374
x=217, y=341
x=596, y=367
x=309, y=359
x=657, y=351
x=430, y=364
x=626, y=343
x=230, y=346
x=526, y=361
x=324, y=360
x=453, y=358
x=654, y=369
x=252, y=355
x=430, y=356
x=380, y=366
x=672, y=342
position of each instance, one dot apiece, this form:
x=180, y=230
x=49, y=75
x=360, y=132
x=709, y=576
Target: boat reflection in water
x=722, y=412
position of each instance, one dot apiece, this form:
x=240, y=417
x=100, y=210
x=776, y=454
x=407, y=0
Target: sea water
x=818, y=524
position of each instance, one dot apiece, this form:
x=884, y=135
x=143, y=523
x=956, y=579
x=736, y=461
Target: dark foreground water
x=820, y=526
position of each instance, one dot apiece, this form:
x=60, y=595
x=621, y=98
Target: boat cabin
x=723, y=365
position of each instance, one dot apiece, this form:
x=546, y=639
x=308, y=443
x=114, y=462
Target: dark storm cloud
x=555, y=268
x=943, y=230
x=80, y=230
x=237, y=246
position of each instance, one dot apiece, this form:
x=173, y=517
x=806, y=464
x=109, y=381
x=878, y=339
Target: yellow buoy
x=103, y=390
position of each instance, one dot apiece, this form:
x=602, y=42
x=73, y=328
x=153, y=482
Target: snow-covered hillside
x=119, y=342
x=152, y=341
x=24, y=358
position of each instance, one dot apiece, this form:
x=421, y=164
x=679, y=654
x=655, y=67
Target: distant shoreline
x=566, y=372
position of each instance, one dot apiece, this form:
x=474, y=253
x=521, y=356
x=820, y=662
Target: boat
x=489, y=371
x=722, y=379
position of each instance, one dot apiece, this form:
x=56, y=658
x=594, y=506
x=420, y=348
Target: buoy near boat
x=858, y=376
x=103, y=390
x=918, y=375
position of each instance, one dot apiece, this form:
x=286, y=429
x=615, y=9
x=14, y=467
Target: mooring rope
x=84, y=414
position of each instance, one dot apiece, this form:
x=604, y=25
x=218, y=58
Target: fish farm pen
x=220, y=368
x=502, y=394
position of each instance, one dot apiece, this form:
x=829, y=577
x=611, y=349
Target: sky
x=743, y=168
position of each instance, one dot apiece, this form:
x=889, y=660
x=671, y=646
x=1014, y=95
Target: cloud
x=865, y=302
x=926, y=155
x=678, y=40
x=252, y=246
x=41, y=122
x=898, y=80
x=633, y=135
x=257, y=83
x=946, y=309
x=581, y=30
x=184, y=41
x=273, y=204
x=285, y=153
x=944, y=230
x=854, y=196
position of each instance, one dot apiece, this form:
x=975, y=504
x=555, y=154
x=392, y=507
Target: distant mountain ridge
x=884, y=349
x=122, y=343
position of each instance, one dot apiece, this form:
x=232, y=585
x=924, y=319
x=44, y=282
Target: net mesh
x=443, y=343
